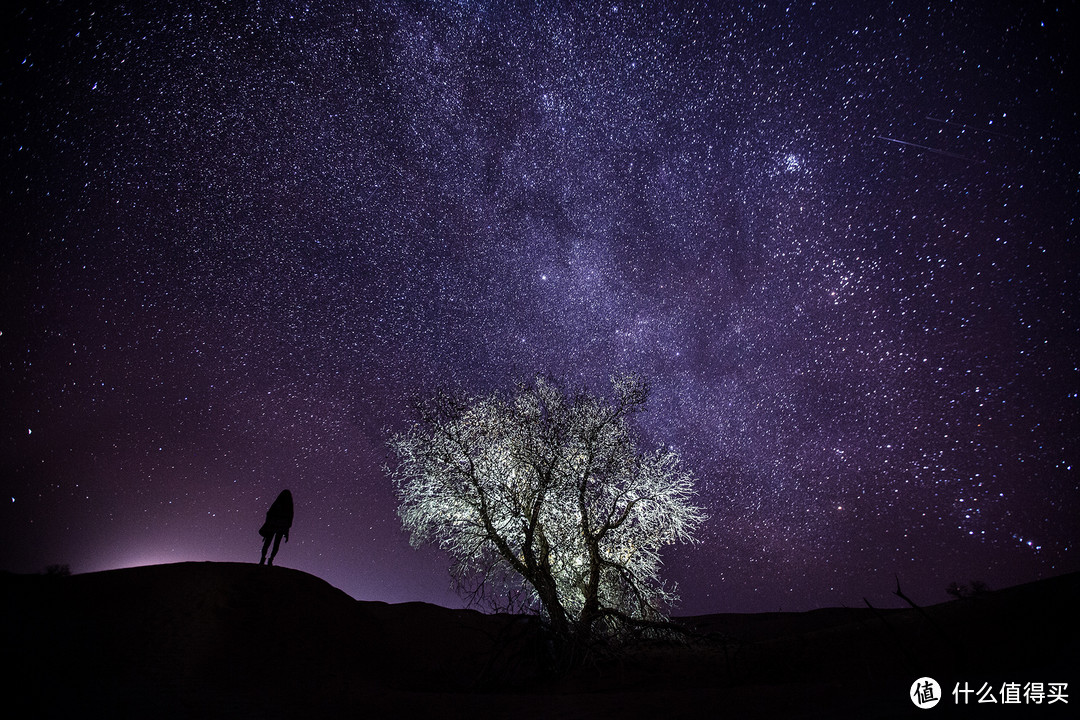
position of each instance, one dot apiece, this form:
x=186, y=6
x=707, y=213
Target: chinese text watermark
x=925, y=693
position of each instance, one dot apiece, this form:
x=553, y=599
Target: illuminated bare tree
x=549, y=490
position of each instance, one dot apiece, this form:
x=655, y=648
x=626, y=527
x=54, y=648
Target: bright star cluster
x=839, y=240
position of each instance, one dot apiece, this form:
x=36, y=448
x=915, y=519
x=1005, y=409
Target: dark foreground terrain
x=229, y=640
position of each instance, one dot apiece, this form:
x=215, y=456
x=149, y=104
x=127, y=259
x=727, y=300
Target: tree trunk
x=590, y=610
x=549, y=599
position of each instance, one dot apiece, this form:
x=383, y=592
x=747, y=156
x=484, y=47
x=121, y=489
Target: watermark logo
x=925, y=693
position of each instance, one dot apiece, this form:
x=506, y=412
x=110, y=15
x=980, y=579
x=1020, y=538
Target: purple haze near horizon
x=840, y=243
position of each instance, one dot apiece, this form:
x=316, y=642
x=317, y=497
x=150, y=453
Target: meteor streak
x=946, y=153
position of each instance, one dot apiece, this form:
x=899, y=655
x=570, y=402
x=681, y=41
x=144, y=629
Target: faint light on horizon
x=140, y=557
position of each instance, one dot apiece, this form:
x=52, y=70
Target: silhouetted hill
x=245, y=641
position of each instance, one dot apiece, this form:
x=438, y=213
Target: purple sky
x=841, y=243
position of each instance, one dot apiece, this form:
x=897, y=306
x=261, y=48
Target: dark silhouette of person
x=278, y=522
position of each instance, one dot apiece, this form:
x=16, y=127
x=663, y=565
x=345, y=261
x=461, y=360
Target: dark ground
x=230, y=640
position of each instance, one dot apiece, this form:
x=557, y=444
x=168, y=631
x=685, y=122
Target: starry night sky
x=239, y=238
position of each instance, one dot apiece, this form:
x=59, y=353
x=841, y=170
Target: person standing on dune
x=278, y=521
